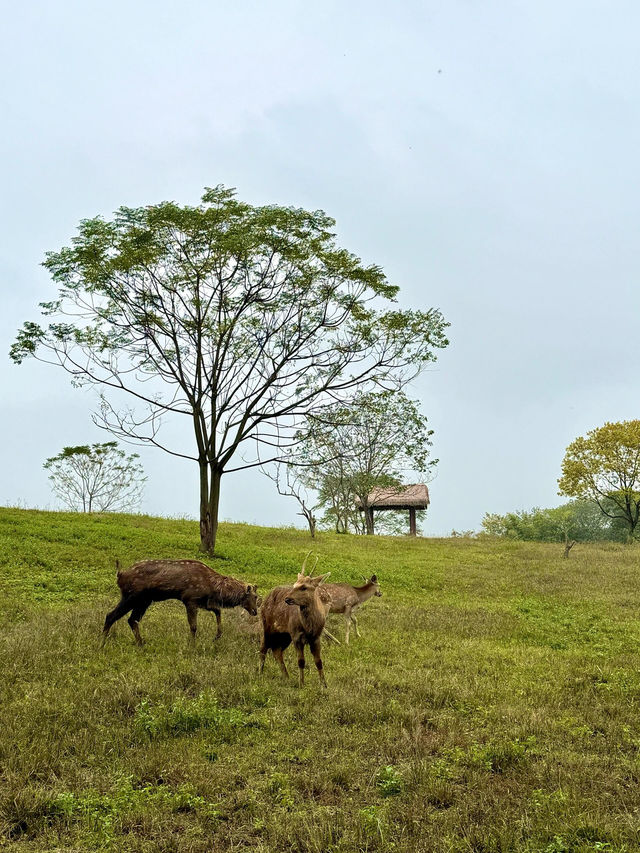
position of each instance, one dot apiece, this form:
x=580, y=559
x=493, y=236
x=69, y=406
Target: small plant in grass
x=373, y=822
x=503, y=756
x=102, y=813
x=389, y=781
x=439, y=794
x=543, y=799
x=280, y=790
x=585, y=840
x=189, y=715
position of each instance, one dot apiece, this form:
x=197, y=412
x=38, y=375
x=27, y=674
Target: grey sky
x=484, y=153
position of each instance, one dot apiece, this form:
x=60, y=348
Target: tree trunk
x=311, y=520
x=368, y=514
x=568, y=545
x=209, y=505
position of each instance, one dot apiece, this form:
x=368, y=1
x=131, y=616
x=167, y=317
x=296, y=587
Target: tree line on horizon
x=580, y=521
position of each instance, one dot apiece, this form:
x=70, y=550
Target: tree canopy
x=244, y=320
x=604, y=467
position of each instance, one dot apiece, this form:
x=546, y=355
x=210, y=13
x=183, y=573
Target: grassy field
x=492, y=703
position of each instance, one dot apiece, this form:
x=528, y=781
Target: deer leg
x=219, y=623
x=330, y=636
x=136, y=615
x=347, y=616
x=279, y=656
x=301, y=663
x=192, y=618
x=355, y=624
x=121, y=608
x=263, y=655
x=315, y=651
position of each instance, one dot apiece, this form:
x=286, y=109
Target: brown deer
x=294, y=614
x=344, y=598
x=188, y=581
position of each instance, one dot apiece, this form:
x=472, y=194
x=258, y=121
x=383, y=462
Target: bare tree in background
x=97, y=478
x=292, y=482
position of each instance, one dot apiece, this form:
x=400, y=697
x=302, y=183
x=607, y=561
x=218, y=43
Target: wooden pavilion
x=396, y=498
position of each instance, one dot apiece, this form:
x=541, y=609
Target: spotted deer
x=294, y=614
x=189, y=581
x=344, y=598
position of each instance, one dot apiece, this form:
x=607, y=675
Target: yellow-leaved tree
x=604, y=467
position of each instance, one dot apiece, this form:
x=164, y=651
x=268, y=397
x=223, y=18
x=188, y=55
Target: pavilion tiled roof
x=399, y=497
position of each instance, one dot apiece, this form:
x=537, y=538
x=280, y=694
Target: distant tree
x=335, y=496
x=292, y=483
x=350, y=450
x=243, y=320
x=494, y=524
x=604, y=467
x=96, y=478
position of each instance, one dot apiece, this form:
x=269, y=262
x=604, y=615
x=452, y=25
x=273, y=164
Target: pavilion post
x=412, y=521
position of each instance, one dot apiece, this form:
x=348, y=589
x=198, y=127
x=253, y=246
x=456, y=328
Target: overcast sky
x=484, y=153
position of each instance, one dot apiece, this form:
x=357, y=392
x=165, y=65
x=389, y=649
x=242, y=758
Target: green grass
x=492, y=704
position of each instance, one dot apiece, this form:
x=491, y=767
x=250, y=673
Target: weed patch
x=185, y=716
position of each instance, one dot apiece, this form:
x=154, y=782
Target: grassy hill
x=491, y=704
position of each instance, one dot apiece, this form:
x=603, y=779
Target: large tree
x=243, y=320
x=604, y=467
x=349, y=450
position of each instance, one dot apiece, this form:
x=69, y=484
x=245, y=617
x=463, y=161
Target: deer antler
x=301, y=573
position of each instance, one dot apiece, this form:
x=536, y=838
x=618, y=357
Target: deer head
x=303, y=592
x=373, y=581
x=250, y=600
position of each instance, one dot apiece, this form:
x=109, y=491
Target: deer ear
x=374, y=578
x=255, y=587
x=249, y=587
